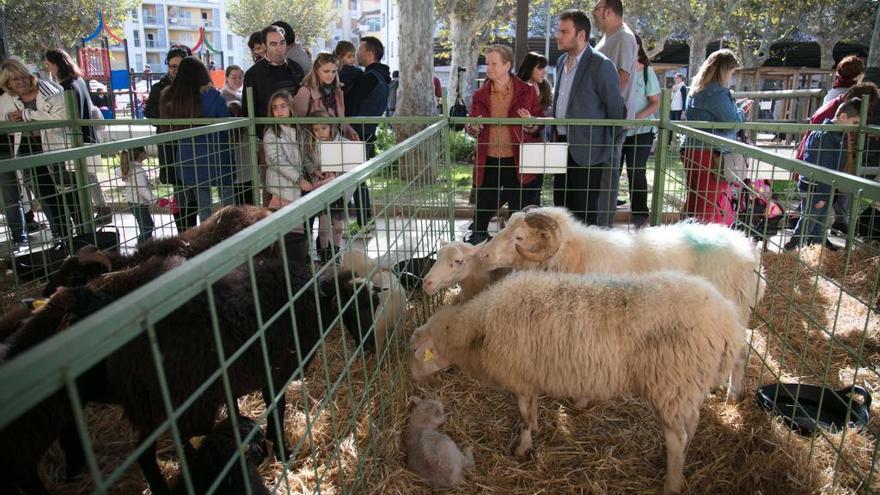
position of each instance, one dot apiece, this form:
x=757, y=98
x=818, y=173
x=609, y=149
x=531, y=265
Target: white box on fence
x=543, y=158
x=341, y=156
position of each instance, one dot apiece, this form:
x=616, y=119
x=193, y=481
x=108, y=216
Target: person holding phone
x=710, y=100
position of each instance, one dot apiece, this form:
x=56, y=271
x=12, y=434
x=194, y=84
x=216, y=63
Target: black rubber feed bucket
x=805, y=415
x=412, y=271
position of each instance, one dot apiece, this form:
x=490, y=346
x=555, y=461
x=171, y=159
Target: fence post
x=660, y=158
x=860, y=143
x=252, y=139
x=449, y=160
x=80, y=173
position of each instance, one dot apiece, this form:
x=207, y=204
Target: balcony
x=182, y=22
x=154, y=45
x=150, y=19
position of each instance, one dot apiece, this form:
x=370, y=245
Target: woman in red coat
x=496, y=171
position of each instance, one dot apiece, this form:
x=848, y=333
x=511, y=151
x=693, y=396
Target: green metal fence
x=816, y=323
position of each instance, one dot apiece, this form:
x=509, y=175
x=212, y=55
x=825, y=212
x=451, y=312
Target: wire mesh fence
x=248, y=347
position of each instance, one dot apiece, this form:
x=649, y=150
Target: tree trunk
x=658, y=48
x=466, y=20
x=416, y=92
x=4, y=47
x=698, y=42
x=826, y=50
x=522, y=32
x=872, y=73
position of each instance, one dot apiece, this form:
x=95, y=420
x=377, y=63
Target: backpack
x=459, y=109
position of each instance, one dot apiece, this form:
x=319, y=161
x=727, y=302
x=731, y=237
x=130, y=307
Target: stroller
x=758, y=210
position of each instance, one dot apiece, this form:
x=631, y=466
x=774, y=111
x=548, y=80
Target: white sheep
x=392, y=295
x=430, y=453
x=667, y=337
x=460, y=263
x=551, y=239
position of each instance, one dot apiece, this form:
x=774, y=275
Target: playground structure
x=95, y=63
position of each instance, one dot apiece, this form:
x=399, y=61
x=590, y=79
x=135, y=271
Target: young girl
x=285, y=180
x=137, y=189
x=317, y=133
x=284, y=164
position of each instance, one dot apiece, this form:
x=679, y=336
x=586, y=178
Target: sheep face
x=426, y=358
x=426, y=413
x=532, y=237
x=77, y=270
x=451, y=267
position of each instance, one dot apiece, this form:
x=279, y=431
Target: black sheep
x=213, y=452
x=25, y=440
x=189, y=355
x=90, y=263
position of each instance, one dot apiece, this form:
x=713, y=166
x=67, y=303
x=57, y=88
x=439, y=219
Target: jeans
x=195, y=202
x=10, y=194
x=635, y=155
x=60, y=207
x=810, y=228
x=141, y=212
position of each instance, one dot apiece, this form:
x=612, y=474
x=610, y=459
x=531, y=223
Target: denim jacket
x=826, y=149
x=713, y=104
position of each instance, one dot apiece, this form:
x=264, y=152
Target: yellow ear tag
x=196, y=442
x=428, y=355
x=39, y=303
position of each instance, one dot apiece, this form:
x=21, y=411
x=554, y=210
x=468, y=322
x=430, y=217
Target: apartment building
x=360, y=18
x=157, y=24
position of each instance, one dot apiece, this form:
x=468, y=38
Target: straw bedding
x=611, y=447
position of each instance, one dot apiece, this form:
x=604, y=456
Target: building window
x=134, y=14
x=139, y=62
x=229, y=61
x=137, y=38
x=229, y=42
x=352, y=5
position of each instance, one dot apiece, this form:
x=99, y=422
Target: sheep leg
x=691, y=426
x=525, y=435
x=676, y=440
x=282, y=450
x=74, y=459
x=150, y=468
x=734, y=387
x=533, y=414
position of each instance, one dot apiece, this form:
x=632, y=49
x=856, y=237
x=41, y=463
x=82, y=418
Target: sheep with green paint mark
x=551, y=239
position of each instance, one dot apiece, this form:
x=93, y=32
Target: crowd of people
x=612, y=81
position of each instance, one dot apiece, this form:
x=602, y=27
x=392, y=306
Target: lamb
x=460, y=263
x=89, y=263
x=666, y=337
x=392, y=296
x=430, y=453
x=551, y=239
x=213, y=451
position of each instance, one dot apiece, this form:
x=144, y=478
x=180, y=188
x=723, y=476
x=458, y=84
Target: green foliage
x=462, y=147
x=32, y=27
x=385, y=138
x=309, y=18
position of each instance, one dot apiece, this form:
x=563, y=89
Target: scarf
x=843, y=82
x=328, y=97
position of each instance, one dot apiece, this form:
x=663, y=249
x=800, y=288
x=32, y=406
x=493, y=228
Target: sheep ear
x=529, y=208
x=413, y=400
x=196, y=442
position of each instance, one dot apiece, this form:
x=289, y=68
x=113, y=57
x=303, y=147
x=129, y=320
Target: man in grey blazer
x=587, y=87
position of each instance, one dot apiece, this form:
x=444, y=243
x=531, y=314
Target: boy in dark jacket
x=826, y=149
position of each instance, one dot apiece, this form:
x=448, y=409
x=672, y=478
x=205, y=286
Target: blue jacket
x=207, y=160
x=713, y=104
x=595, y=95
x=826, y=149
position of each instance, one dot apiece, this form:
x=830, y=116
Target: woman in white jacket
x=28, y=99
